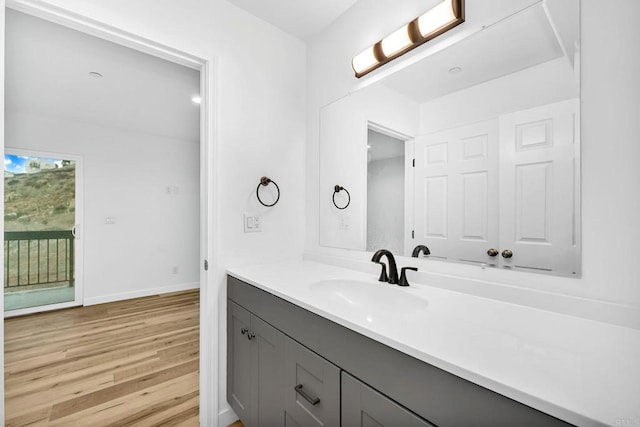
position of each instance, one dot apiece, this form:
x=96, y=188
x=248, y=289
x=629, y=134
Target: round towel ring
x=264, y=181
x=338, y=189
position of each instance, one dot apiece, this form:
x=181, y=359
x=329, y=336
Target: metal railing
x=33, y=259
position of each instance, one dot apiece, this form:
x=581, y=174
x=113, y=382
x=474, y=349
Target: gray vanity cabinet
x=312, y=394
x=358, y=381
x=255, y=383
x=363, y=406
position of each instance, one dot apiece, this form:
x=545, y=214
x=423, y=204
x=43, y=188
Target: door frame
x=209, y=193
x=78, y=245
x=409, y=155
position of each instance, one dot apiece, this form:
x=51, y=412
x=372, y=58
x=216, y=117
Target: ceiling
x=519, y=41
x=301, y=18
x=47, y=73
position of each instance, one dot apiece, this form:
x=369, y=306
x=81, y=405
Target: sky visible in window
x=15, y=163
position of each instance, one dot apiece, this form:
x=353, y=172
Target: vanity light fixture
x=431, y=24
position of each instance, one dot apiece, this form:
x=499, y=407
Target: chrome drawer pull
x=313, y=401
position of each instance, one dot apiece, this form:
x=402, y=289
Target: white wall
x=385, y=204
x=343, y=153
x=125, y=176
x=610, y=107
x=259, y=129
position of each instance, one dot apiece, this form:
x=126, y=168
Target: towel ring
x=336, y=190
x=264, y=181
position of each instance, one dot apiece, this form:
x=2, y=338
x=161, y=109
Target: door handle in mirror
x=507, y=253
x=492, y=252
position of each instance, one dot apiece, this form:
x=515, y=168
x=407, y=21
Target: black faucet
x=393, y=269
x=418, y=249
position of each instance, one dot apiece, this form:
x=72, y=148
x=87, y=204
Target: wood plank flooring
x=126, y=363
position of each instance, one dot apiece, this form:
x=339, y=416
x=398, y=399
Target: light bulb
x=396, y=42
x=436, y=18
x=364, y=60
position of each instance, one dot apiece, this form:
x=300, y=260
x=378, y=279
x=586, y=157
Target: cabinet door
x=364, y=407
x=267, y=354
x=239, y=384
x=312, y=388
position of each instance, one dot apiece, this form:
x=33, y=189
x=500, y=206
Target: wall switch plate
x=252, y=223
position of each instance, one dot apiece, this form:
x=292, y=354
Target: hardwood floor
x=126, y=363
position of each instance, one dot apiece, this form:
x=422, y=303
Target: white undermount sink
x=369, y=301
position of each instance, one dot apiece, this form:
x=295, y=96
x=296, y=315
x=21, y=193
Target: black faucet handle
x=403, y=276
x=383, y=273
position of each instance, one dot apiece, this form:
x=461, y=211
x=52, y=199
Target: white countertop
x=582, y=371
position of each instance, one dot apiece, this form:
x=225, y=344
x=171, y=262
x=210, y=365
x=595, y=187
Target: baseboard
x=227, y=417
x=141, y=293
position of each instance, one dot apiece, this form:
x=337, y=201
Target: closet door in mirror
x=539, y=178
x=455, y=188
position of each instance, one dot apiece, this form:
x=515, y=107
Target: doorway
x=389, y=222
x=166, y=190
x=42, y=249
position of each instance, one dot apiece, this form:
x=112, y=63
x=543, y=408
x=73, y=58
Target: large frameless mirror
x=473, y=152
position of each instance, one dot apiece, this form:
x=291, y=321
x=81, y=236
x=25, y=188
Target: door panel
x=537, y=187
x=456, y=203
x=533, y=204
x=268, y=354
x=436, y=197
x=239, y=383
x=475, y=194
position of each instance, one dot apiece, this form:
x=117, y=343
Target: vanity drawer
x=363, y=406
x=312, y=388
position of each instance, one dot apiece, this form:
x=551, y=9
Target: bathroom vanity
x=275, y=347
x=322, y=345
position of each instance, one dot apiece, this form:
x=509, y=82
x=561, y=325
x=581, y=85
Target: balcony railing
x=35, y=259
